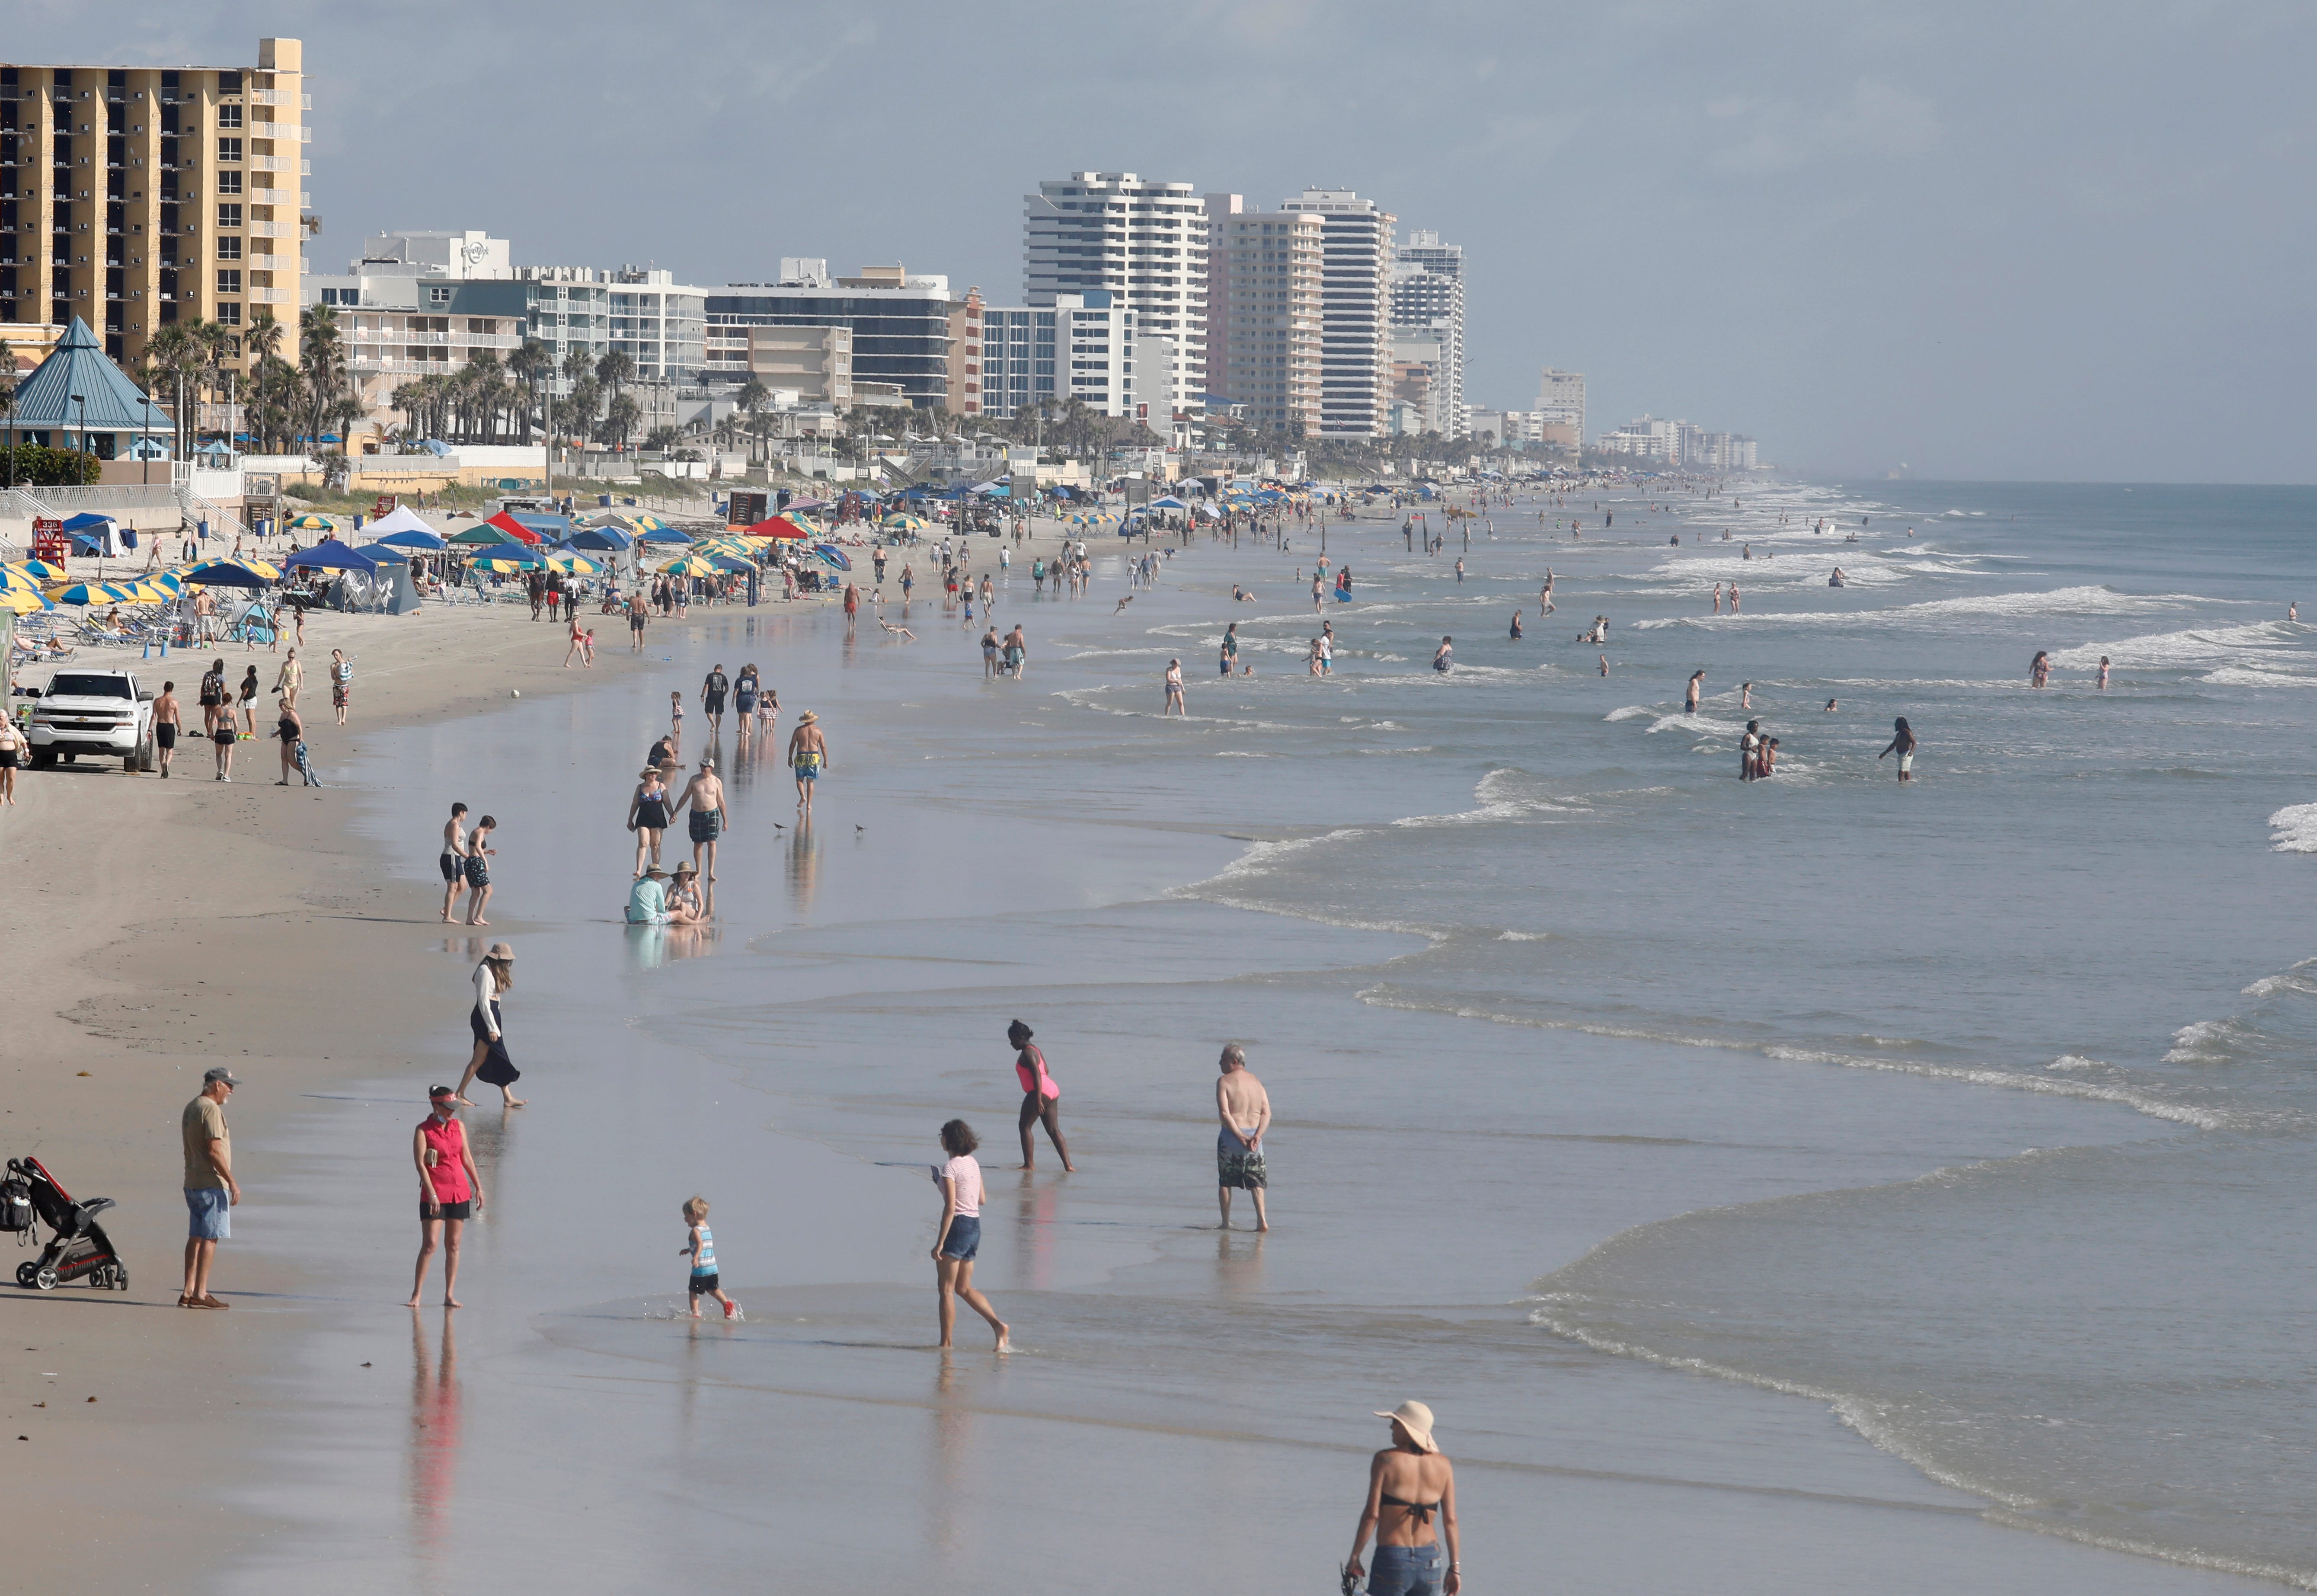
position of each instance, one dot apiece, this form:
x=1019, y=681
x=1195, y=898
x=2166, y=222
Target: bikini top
x=1421, y=1512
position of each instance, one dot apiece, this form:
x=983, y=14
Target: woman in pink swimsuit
x=1041, y=1098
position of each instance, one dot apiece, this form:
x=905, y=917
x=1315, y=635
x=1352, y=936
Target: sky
x=2065, y=241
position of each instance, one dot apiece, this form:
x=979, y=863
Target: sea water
x=1851, y=1173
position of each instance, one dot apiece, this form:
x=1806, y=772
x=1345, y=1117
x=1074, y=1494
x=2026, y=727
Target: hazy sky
x=2018, y=239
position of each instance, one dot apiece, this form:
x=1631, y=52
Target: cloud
x=1877, y=119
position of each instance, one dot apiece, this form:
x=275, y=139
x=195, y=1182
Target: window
x=229, y=116
x=228, y=282
x=229, y=315
x=229, y=182
x=228, y=249
x=228, y=83
x=228, y=150
x=438, y=296
x=228, y=215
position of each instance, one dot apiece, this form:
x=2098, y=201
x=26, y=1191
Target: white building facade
x=1143, y=242
x=1561, y=397
x=1355, y=312
x=1427, y=299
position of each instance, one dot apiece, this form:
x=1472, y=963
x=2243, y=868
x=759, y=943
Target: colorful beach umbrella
x=505, y=564
x=900, y=522
x=23, y=601
x=85, y=593
x=690, y=565
x=310, y=522
x=577, y=564
x=833, y=555
x=47, y=570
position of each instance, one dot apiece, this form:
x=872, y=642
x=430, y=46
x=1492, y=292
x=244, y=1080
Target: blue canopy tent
x=224, y=573
x=1169, y=503
x=666, y=534
x=602, y=538
x=413, y=538
x=331, y=555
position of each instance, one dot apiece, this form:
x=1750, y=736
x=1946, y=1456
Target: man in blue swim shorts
x=210, y=1189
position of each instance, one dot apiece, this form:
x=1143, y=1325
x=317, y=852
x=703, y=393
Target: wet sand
x=1185, y=1407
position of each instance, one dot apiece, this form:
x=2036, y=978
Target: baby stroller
x=30, y=1196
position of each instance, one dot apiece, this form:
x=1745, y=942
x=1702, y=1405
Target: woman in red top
x=1041, y=1098
x=450, y=1190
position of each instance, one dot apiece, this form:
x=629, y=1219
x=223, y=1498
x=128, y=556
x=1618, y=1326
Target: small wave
x=2075, y=1061
x=2293, y=829
x=2289, y=980
x=2057, y=601
x=2213, y=646
x=2205, y=1042
x=1527, y=937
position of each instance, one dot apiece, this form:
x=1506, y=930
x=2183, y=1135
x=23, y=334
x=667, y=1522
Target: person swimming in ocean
x=1516, y=626
x=1444, y=656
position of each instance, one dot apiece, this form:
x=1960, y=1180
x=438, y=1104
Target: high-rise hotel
x=133, y=197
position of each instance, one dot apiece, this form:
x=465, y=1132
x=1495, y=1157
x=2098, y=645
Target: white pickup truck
x=101, y=713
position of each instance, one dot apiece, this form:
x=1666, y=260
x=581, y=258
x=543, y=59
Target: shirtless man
x=705, y=797
x=808, y=757
x=1689, y=703
x=454, y=857
x=1244, y=1109
x=166, y=713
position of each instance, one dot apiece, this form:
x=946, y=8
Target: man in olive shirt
x=210, y=1189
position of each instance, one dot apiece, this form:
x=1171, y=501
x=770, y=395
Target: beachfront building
x=1646, y=437
x=1019, y=366
x=1264, y=283
x=812, y=365
x=965, y=324
x=1085, y=346
x=1355, y=311
x=900, y=323
x=1428, y=301
x=1420, y=360
x=135, y=197
x=1561, y=397
x=658, y=324
x=78, y=399
x=1144, y=243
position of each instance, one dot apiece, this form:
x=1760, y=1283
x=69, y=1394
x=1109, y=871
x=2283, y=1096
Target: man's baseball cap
x=221, y=1073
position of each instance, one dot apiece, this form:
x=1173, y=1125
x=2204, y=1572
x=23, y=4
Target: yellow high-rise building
x=134, y=197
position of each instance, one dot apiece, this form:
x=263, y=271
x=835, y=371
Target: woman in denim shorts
x=1410, y=1485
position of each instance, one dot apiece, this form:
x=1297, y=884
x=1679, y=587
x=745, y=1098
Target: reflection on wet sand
x=955, y=1463
x=804, y=865
x=434, y=1454
x=1238, y=1263
x=651, y=947
x=1033, y=1235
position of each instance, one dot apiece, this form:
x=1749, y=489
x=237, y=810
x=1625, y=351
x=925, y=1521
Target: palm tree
x=532, y=366
x=753, y=395
x=615, y=370
x=321, y=357
x=620, y=418
x=264, y=344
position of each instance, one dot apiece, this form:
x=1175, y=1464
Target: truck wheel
x=44, y=758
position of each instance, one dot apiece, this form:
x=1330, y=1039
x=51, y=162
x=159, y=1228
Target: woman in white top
x=960, y=1236
x=491, y=1064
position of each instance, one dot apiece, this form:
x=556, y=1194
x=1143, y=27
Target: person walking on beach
x=704, y=794
x=1244, y=1107
x=342, y=683
x=676, y=724
x=712, y=688
x=637, y=610
x=490, y=1064
x=291, y=732
x=290, y=678
x=700, y=1246
x=808, y=757
x=959, y=1238
x=1018, y=650
x=211, y=693
x=248, y=704
x=745, y=689
x=1408, y=1483
x=1042, y=1099
x=210, y=1189
x=167, y=714
x=450, y=1190
x=648, y=817
x=1902, y=743
x=1174, y=688
x=454, y=857
x=223, y=735
x=1697, y=682
x=15, y=748
x=478, y=869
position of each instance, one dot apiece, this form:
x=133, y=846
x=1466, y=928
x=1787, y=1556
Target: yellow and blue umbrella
x=23, y=601
x=498, y=567
x=578, y=565
x=310, y=522
x=691, y=565
x=85, y=593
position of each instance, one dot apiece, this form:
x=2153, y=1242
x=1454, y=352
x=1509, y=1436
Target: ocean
x=1814, y=1182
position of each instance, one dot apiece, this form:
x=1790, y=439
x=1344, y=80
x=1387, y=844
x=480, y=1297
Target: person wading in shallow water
x=1042, y=1099
x=1244, y=1107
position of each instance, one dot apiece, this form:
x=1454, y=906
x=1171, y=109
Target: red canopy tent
x=514, y=528
x=775, y=526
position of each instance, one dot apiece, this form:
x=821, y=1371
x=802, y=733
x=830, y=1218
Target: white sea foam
x=2293, y=829
x=2198, y=646
x=2057, y=601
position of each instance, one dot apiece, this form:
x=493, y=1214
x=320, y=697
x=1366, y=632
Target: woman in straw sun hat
x=1410, y=1485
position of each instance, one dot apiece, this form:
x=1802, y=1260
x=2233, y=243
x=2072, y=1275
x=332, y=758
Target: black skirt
x=496, y=1067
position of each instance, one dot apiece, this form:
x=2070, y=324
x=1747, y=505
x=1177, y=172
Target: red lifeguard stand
x=48, y=539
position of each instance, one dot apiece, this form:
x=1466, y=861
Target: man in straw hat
x=1410, y=1485
x=808, y=757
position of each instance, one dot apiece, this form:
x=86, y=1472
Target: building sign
x=745, y=509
